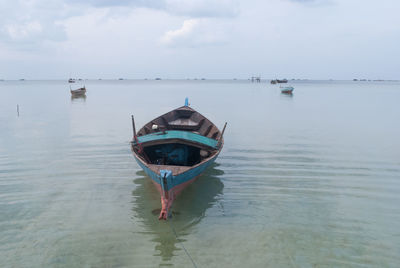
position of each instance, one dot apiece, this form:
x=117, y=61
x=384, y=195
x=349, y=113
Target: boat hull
x=287, y=90
x=174, y=149
x=178, y=182
x=78, y=92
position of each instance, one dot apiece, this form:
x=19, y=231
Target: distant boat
x=78, y=92
x=287, y=90
x=279, y=81
x=120, y=79
x=174, y=149
x=71, y=80
x=158, y=78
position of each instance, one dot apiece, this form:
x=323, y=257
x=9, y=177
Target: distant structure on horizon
x=256, y=79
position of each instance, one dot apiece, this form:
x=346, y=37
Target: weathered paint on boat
x=176, y=183
x=79, y=91
x=287, y=90
x=174, y=150
x=182, y=135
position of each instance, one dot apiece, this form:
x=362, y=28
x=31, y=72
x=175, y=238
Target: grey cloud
x=25, y=24
x=191, y=8
x=203, y=8
x=157, y=4
x=313, y=2
x=31, y=22
x=303, y=1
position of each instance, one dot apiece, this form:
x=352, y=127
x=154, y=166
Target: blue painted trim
x=174, y=181
x=176, y=134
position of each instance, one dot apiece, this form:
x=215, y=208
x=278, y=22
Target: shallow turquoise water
x=306, y=180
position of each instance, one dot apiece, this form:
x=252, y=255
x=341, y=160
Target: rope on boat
x=177, y=239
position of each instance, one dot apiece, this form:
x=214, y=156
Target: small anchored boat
x=78, y=92
x=277, y=81
x=287, y=90
x=174, y=149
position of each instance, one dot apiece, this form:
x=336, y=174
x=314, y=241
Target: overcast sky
x=315, y=39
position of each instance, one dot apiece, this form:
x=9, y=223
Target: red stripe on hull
x=168, y=198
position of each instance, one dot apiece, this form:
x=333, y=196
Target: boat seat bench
x=178, y=135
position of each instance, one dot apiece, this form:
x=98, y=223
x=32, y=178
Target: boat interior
x=183, y=118
x=173, y=154
x=178, y=152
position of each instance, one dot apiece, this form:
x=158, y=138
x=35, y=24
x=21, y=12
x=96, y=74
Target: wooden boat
x=174, y=149
x=279, y=81
x=79, y=91
x=287, y=90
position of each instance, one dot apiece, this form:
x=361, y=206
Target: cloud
x=34, y=22
x=21, y=31
x=197, y=32
x=30, y=23
x=203, y=8
x=184, y=32
x=190, y=8
x=157, y=4
x=313, y=2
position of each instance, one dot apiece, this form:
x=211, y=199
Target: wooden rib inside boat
x=174, y=149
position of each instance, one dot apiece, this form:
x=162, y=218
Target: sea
x=310, y=179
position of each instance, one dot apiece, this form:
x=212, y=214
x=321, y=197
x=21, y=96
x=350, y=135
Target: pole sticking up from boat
x=222, y=134
x=136, y=140
x=17, y=110
x=134, y=129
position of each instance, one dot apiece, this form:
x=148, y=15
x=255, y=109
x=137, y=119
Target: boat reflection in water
x=187, y=212
x=78, y=98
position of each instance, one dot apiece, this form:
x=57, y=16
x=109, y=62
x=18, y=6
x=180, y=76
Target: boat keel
x=167, y=196
x=166, y=204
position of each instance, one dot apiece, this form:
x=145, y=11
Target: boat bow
x=174, y=149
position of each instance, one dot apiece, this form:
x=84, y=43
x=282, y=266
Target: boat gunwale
x=182, y=140
x=214, y=150
x=162, y=117
x=187, y=168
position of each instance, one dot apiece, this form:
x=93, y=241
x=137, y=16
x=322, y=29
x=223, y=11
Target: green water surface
x=308, y=180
